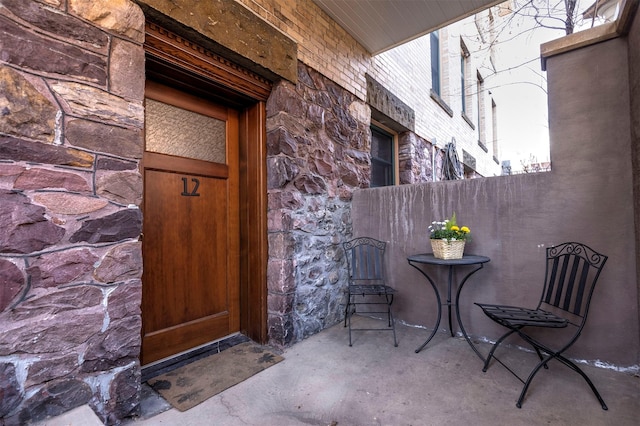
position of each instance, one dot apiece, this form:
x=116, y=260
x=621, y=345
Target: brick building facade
x=405, y=71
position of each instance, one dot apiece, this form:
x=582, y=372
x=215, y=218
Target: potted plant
x=448, y=239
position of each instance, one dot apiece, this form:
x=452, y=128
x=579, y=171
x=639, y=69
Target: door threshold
x=165, y=365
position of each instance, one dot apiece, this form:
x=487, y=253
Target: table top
x=429, y=258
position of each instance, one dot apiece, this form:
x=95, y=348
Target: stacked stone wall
x=318, y=143
x=71, y=119
x=416, y=162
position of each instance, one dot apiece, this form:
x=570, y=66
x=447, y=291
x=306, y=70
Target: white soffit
x=380, y=25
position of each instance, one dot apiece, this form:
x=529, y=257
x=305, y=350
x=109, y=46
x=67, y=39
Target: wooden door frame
x=178, y=62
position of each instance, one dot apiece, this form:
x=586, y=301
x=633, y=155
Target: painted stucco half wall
x=587, y=197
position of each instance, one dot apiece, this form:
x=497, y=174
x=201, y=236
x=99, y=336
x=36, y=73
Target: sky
x=520, y=92
x=520, y=95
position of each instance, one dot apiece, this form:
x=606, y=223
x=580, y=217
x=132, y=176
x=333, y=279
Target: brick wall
x=405, y=71
x=322, y=43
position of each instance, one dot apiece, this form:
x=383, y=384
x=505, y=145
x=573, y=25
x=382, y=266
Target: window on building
x=440, y=87
x=480, y=109
x=382, y=158
x=494, y=121
x=464, y=67
x=435, y=63
x=463, y=94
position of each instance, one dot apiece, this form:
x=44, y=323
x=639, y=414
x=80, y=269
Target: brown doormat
x=188, y=386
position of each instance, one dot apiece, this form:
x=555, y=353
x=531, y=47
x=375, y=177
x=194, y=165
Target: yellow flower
x=455, y=228
x=465, y=230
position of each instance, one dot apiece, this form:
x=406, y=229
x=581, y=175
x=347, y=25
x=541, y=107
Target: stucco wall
x=588, y=197
x=634, y=88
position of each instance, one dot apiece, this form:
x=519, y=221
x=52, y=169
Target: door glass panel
x=176, y=131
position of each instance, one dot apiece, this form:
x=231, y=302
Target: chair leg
x=389, y=308
x=568, y=363
x=578, y=370
x=392, y=321
x=348, y=312
x=546, y=367
x=493, y=349
x=350, y=309
x=393, y=324
x=530, y=378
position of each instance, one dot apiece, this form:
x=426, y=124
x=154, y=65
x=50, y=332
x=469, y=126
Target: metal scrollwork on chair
x=572, y=270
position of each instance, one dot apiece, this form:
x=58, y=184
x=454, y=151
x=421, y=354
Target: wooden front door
x=190, y=290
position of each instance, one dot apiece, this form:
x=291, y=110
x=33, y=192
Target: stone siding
x=70, y=259
x=318, y=154
x=318, y=143
x=231, y=31
x=418, y=160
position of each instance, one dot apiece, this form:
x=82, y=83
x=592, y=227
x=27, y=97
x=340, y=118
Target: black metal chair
x=572, y=270
x=367, y=286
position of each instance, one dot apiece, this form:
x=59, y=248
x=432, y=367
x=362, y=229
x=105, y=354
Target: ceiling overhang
x=380, y=25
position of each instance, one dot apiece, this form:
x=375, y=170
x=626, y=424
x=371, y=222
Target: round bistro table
x=418, y=260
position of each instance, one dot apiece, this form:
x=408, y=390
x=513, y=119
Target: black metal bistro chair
x=367, y=286
x=572, y=271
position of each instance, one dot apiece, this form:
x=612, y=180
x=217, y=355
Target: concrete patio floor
x=323, y=381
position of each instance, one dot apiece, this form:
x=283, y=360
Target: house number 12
x=185, y=187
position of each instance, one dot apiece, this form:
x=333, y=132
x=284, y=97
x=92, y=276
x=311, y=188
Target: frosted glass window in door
x=176, y=131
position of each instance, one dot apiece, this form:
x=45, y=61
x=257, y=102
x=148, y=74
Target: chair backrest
x=571, y=274
x=365, y=259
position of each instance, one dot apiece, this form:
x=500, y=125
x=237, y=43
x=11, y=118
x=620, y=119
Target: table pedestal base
x=467, y=260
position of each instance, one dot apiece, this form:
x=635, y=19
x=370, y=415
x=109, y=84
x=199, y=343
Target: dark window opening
x=382, y=156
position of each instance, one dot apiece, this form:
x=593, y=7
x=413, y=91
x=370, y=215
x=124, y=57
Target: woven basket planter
x=443, y=249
